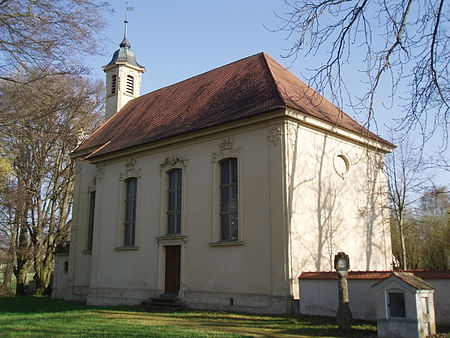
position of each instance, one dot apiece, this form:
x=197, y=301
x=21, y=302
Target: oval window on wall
x=341, y=165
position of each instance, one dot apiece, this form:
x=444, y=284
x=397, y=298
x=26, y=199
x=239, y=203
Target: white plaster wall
x=78, y=278
x=320, y=297
x=441, y=300
x=116, y=101
x=60, y=276
x=210, y=275
x=329, y=213
x=284, y=181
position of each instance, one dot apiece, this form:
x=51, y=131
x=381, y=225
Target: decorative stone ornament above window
x=100, y=174
x=226, y=150
x=341, y=165
x=275, y=134
x=131, y=170
x=172, y=162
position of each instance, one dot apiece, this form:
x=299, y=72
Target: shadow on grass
x=44, y=304
x=27, y=315
x=273, y=325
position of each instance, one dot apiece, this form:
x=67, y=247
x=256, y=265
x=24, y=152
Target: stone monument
x=344, y=315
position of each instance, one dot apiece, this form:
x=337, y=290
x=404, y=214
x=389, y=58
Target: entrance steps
x=165, y=303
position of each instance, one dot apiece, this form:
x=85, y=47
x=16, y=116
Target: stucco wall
x=332, y=207
x=320, y=297
x=78, y=278
x=60, y=275
x=210, y=275
x=295, y=212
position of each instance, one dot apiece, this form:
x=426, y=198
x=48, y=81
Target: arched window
x=174, y=201
x=130, y=211
x=130, y=84
x=229, y=227
x=113, y=83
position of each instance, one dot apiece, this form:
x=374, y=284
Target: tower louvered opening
x=130, y=84
x=113, y=84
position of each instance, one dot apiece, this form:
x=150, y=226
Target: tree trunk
x=402, y=244
x=10, y=258
x=21, y=286
x=43, y=277
x=23, y=261
x=7, y=275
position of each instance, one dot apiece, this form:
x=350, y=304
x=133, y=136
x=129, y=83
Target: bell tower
x=123, y=77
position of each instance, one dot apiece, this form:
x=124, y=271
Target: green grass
x=41, y=316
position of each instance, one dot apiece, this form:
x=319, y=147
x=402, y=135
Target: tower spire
x=123, y=74
x=125, y=42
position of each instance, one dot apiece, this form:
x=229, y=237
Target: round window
x=341, y=165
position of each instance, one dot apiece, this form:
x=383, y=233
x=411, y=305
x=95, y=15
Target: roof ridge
x=241, y=89
x=341, y=114
x=201, y=74
x=272, y=76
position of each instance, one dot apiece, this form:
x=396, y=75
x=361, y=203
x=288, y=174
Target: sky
x=175, y=40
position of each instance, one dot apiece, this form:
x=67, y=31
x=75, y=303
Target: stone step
x=164, y=303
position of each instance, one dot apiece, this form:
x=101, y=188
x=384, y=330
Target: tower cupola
x=123, y=77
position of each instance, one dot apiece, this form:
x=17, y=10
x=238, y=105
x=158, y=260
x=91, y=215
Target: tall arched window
x=130, y=211
x=130, y=84
x=90, y=233
x=229, y=227
x=174, y=201
x=113, y=83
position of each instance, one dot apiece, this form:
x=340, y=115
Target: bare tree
x=58, y=110
x=47, y=35
x=402, y=43
x=433, y=229
x=404, y=183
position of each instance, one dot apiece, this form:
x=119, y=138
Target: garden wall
x=319, y=293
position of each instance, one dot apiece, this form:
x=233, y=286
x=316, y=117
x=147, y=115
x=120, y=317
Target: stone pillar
x=344, y=315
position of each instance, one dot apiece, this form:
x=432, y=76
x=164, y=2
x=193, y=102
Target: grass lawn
x=41, y=316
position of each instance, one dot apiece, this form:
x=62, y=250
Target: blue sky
x=178, y=39
x=175, y=40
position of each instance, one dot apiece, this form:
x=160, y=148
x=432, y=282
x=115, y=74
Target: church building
x=220, y=190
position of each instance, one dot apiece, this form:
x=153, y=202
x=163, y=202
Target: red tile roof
x=242, y=89
x=410, y=279
x=438, y=274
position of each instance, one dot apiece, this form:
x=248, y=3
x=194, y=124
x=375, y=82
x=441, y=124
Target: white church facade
x=221, y=190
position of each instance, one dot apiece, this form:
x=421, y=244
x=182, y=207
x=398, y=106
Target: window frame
x=130, y=202
x=113, y=84
x=169, y=164
x=178, y=201
x=91, y=220
x=132, y=171
x=391, y=313
x=227, y=149
x=232, y=211
x=129, y=87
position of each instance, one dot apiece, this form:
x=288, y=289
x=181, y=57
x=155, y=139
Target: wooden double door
x=172, y=271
